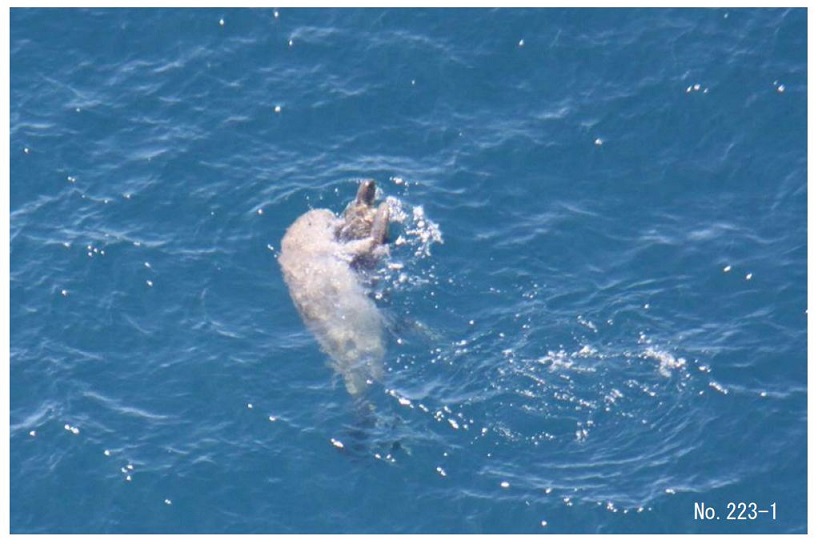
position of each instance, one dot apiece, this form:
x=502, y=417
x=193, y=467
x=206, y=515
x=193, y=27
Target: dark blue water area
x=595, y=300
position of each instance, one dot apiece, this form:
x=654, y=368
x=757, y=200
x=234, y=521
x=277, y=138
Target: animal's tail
x=370, y=434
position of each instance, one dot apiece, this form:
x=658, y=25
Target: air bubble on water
x=718, y=387
x=587, y=323
x=586, y=351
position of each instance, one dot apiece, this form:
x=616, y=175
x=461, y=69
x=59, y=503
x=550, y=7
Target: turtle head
x=366, y=192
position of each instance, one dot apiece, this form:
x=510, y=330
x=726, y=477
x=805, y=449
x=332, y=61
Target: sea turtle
x=362, y=220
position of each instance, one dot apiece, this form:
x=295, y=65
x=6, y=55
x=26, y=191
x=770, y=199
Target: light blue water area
x=596, y=298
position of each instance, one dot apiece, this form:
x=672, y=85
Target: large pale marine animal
x=321, y=258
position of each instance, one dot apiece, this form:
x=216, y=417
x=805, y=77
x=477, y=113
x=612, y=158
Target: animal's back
x=331, y=300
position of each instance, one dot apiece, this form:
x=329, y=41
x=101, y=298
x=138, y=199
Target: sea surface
x=596, y=296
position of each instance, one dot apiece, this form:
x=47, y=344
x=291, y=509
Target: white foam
x=420, y=232
x=667, y=362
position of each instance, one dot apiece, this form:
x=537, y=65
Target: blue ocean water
x=597, y=309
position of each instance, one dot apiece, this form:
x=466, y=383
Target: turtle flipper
x=380, y=226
